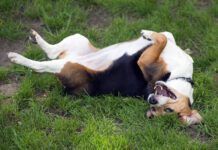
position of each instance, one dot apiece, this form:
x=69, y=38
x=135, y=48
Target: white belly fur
x=178, y=62
x=103, y=58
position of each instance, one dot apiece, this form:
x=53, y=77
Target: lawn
x=36, y=114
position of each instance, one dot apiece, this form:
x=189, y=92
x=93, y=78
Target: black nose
x=152, y=100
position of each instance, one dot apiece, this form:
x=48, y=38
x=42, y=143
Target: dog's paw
x=16, y=58
x=149, y=114
x=146, y=34
x=33, y=36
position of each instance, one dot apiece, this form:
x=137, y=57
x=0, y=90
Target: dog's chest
x=178, y=62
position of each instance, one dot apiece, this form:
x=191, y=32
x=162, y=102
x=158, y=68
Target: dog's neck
x=182, y=86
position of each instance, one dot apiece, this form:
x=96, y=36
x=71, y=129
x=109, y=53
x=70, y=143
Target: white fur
x=74, y=45
x=78, y=50
x=161, y=99
x=53, y=66
x=182, y=87
x=104, y=58
x=179, y=64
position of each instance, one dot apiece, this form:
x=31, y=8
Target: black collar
x=189, y=80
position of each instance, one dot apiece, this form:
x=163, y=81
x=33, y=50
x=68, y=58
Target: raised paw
x=16, y=58
x=146, y=34
x=32, y=36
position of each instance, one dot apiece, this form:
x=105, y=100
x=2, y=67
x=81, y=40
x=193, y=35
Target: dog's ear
x=165, y=77
x=193, y=118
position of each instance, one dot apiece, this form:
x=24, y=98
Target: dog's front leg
x=53, y=66
x=150, y=63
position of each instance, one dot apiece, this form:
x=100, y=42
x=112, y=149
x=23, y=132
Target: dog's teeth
x=157, y=86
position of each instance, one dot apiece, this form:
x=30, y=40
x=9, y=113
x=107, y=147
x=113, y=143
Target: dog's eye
x=168, y=110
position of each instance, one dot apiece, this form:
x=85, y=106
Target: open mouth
x=161, y=89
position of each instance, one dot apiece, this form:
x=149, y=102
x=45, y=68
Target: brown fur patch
x=156, y=70
x=180, y=106
x=152, y=66
x=75, y=77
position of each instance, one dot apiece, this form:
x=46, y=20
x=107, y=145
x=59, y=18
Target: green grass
x=40, y=116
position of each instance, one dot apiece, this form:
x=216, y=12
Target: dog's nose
x=152, y=100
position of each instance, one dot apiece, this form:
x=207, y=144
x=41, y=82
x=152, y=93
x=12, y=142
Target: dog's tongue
x=161, y=91
x=164, y=92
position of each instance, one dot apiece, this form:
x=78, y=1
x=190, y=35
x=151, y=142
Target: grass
x=41, y=116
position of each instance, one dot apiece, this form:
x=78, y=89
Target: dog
x=152, y=66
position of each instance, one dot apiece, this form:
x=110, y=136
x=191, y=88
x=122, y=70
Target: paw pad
x=32, y=36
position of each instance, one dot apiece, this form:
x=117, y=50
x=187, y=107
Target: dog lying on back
x=152, y=66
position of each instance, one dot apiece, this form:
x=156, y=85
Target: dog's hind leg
x=74, y=77
x=51, y=50
x=75, y=45
x=52, y=66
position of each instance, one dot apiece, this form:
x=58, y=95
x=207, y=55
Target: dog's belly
x=117, y=71
x=178, y=62
x=102, y=59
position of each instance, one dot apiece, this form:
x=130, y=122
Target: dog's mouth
x=163, y=90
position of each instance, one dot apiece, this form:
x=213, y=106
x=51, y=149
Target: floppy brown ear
x=193, y=118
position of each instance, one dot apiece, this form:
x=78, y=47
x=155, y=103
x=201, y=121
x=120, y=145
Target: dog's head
x=173, y=97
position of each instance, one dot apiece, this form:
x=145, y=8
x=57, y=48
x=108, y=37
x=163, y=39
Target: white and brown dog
x=152, y=66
